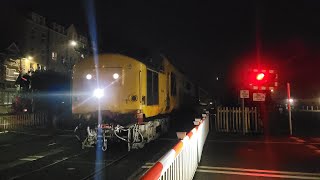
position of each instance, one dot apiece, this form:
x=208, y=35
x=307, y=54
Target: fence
x=182, y=160
x=13, y=122
x=234, y=120
x=6, y=97
x=310, y=108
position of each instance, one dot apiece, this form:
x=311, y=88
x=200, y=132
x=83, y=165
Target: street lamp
x=73, y=43
x=29, y=57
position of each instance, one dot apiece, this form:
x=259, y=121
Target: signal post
x=260, y=83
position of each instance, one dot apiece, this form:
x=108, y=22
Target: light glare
x=115, y=76
x=73, y=43
x=260, y=76
x=98, y=93
x=89, y=76
x=291, y=100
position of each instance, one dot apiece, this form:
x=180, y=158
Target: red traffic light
x=260, y=76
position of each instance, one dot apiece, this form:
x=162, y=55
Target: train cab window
x=173, y=84
x=152, y=88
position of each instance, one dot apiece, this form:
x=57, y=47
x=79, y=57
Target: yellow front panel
x=118, y=93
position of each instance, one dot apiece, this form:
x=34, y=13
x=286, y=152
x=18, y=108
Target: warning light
x=261, y=79
x=260, y=76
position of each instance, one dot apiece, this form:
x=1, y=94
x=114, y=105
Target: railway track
x=54, y=165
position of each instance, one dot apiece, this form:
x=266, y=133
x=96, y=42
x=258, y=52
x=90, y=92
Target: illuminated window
x=54, y=56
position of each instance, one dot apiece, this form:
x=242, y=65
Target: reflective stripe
x=154, y=172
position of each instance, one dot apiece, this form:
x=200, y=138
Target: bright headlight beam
x=115, y=76
x=98, y=93
x=89, y=76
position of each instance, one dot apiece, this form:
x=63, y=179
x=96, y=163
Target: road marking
x=146, y=167
x=168, y=139
x=262, y=142
x=256, y=174
x=149, y=163
x=31, y=158
x=316, y=139
x=66, y=135
x=252, y=172
x=30, y=134
x=49, y=165
x=298, y=139
x=259, y=170
x=311, y=147
x=52, y=144
x=5, y=145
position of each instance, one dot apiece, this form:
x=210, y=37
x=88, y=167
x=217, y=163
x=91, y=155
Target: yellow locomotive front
x=111, y=86
x=123, y=91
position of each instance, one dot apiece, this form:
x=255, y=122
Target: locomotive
x=126, y=99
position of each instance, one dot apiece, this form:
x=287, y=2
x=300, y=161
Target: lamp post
x=289, y=107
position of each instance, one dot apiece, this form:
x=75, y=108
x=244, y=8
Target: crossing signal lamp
x=261, y=79
x=260, y=76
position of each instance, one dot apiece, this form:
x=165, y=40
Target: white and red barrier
x=182, y=160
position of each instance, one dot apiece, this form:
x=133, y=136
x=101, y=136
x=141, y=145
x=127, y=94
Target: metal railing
x=13, y=122
x=234, y=120
x=310, y=108
x=182, y=160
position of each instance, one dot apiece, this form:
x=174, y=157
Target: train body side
x=138, y=88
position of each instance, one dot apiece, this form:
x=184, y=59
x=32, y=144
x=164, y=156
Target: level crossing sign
x=259, y=96
x=244, y=93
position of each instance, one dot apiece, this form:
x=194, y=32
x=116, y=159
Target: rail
x=182, y=160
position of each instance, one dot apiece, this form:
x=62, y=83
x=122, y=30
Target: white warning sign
x=244, y=93
x=259, y=96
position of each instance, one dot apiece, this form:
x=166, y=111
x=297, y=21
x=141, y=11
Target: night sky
x=206, y=39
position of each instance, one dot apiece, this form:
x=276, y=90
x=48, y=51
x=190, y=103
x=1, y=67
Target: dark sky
x=205, y=38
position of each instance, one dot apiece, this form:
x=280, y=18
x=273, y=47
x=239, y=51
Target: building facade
x=49, y=45
x=34, y=44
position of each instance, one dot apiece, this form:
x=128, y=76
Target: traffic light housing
x=261, y=79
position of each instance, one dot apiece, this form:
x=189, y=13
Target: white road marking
x=149, y=163
x=256, y=174
x=31, y=158
x=261, y=142
x=252, y=172
x=259, y=170
x=5, y=145
x=30, y=134
x=311, y=147
x=316, y=139
x=298, y=139
x=146, y=167
x=52, y=164
x=52, y=144
x=168, y=139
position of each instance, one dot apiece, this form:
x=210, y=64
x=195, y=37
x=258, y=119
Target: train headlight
x=89, y=76
x=115, y=76
x=98, y=93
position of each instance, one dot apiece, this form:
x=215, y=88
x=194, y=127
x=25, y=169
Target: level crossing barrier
x=235, y=120
x=182, y=160
x=17, y=121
